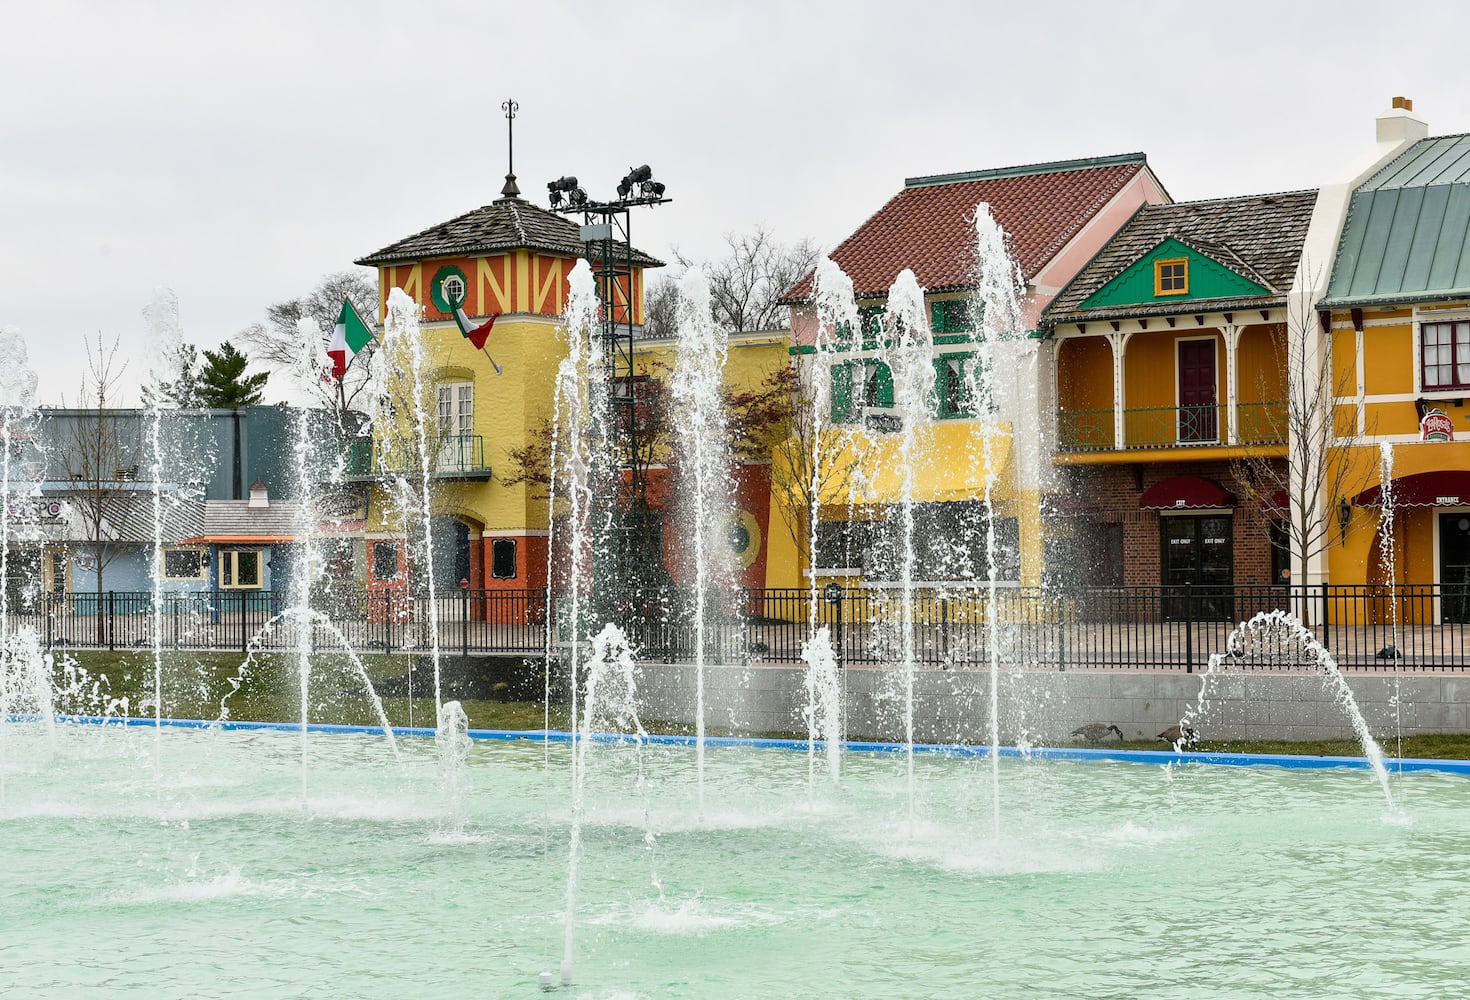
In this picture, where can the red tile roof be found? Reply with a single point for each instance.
(928, 226)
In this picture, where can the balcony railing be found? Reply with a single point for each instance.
(1171, 427)
(458, 456)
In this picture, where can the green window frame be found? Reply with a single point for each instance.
(951, 316)
(952, 386)
(860, 385)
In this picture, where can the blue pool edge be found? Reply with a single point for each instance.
(1295, 761)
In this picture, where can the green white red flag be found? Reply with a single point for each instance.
(474, 332)
(349, 336)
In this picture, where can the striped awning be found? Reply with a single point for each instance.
(1440, 488)
(1186, 492)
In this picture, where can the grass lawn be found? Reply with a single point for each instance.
(203, 685)
(200, 685)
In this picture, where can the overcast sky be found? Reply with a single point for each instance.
(237, 152)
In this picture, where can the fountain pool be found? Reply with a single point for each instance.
(193, 863)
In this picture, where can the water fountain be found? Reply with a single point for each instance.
(432, 857)
(705, 486)
(995, 307)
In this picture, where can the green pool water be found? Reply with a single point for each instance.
(193, 864)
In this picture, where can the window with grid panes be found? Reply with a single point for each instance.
(456, 412)
(1444, 353)
(1171, 277)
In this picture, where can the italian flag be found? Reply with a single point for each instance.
(349, 336)
(474, 332)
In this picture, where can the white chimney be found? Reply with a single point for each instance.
(1399, 123)
(259, 495)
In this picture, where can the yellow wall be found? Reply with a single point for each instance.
(1260, 359)
(1085, 374)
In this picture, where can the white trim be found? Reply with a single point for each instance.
(1360, 369)
(1186, 511)
(1369, 324)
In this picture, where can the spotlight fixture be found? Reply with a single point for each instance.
(638, 183)
(565, 188)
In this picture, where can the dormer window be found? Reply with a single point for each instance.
(1171, 277)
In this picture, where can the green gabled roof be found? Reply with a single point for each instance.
(1405, 239)
(1209, 278)
(1245, 248)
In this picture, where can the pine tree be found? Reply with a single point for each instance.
(182, 389)
(223, 384)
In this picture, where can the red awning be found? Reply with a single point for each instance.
(1185, 492)
(1441, 488)
(1278, 504)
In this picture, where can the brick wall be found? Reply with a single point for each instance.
(1113, 491)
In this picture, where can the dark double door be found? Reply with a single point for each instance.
(1454, 567)
(1198, 567)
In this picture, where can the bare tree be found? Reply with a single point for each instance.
(276, 343)
(1318, 474)
(99, 455)
(746, 284)
(810, 459)
(661, 308)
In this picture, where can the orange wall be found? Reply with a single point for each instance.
(521, 281)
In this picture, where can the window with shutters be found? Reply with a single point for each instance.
(951, 316)
(954, 386)
(859, 386)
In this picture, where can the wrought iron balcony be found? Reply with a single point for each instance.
(1155, 427)
(456, 456)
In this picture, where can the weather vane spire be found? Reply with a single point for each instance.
(511, 190)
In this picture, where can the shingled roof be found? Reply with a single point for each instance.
(504, 224)
(928, 226)
(1259, 237)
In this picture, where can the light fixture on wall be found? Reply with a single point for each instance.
(1344, 516)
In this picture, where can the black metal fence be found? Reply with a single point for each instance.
(1420, 626)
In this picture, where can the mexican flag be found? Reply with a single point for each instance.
(474, 332)
(349, 336)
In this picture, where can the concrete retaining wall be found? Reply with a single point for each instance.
(1046, 707)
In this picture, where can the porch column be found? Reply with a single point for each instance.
(1232, 383)
(1119, 342)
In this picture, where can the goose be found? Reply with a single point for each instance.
(1096, 732)
(1179, 736)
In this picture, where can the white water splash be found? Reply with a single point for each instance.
(707, 493)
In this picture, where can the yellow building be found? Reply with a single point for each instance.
(1056, 216)
(1171, 423)
(508, 260)
(1397, 322)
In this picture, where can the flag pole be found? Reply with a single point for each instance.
(492, 360)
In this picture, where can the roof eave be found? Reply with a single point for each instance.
(1395, 298)
(383, 257)
(1166, 309)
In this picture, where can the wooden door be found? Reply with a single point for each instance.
(1198, 417)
